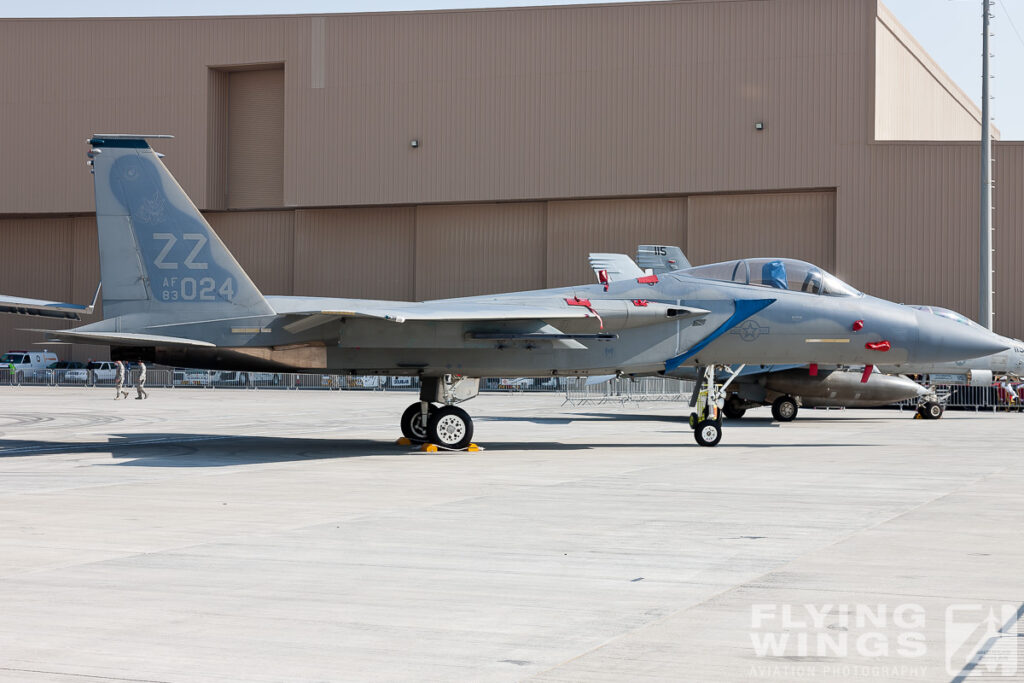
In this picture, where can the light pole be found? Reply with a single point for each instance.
(985, 281)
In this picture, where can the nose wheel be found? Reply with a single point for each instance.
(709, 400)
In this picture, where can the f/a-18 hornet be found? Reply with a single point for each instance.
(784, 387)
(174, 294)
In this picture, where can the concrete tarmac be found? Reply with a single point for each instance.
(232, 535)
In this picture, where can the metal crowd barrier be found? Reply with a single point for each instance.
(995, 397)
(578, 391)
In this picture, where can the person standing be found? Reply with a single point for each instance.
(13, 370)
(119, 390)
(140, 383)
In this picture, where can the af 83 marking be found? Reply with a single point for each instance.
(197, 289)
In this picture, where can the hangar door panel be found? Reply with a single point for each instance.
(799, 225)
(255, 152)
(361, 253)
(468, 249)
(263, 242)
(577, 228)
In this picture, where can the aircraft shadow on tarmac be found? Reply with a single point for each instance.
(225, 450)
(748, 421)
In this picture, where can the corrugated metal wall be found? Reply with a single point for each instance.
(468, 249)
(255, 153)
(510, 104)
(796, 225)
(264, 244)
(1008, 241)
(908, 229)
(356, 252)
(47, 258)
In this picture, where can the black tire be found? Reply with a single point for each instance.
(413, 429)
(931, 410)
(693, 420)
(708, 433)
(733, 410)
(451, 427)
(784, 409)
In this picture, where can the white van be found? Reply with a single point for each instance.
(26, 362)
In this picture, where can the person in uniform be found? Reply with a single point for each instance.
(140, 383)
(119, 390)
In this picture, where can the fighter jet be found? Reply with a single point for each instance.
(783, 387)
(174, 294)
(787, 387)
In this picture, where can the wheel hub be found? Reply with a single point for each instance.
(450, 429)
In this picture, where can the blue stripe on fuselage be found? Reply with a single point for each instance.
(744, 309)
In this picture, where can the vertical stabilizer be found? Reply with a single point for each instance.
(158, 255)
(661, 259)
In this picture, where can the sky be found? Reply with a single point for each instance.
(950, 30)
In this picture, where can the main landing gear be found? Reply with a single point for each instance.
(709, 400)
(445, 425)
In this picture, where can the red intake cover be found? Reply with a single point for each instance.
(883, 345)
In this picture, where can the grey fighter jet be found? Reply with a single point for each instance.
(173, 294)
(786, 387)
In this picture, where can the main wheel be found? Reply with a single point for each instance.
(784, 409)
(931, 410)
(708, 433)
(450, 427)
(412, 426)
(733, 409)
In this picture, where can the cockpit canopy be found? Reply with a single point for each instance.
(952, 315)
(778, 273)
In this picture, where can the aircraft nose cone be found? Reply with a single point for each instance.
(941, 340)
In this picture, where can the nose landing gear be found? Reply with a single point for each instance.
(709, 400)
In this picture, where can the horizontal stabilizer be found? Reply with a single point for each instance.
(616, 266)
(120, 338)
(46, 309)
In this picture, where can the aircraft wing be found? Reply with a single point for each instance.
(309, 315)
(45, 309)
(617, 266)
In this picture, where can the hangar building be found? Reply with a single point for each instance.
(816, 129)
